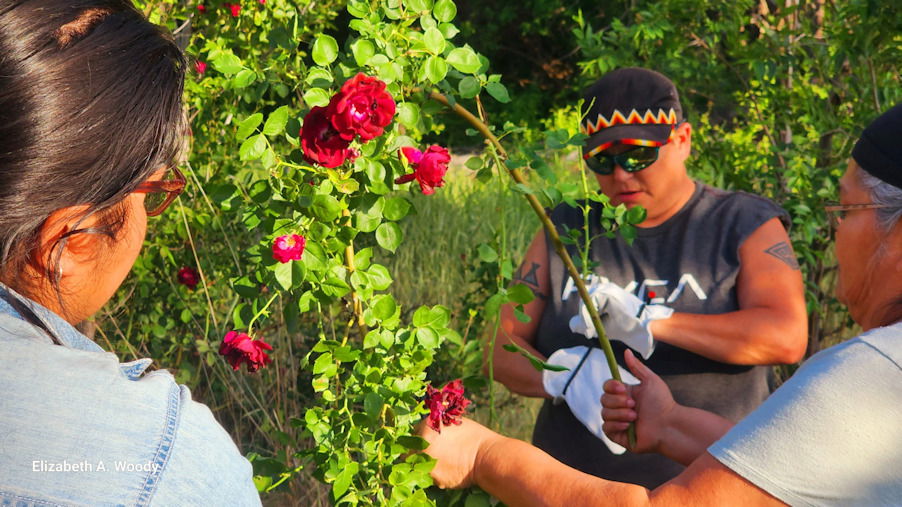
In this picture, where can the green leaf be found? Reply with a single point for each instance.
(323, 362)
(418, 5)
(413, 442)
(325, 207)
(469, 87)
(317, 97)
(487, 253)
(389, 236)
(435, 69)
(444, 11)
(408, 114)
(493, 305)
(343, 481)
(498, 91)
(428, 338)
(276, 122)
(520, 294)
(290, 274)
(245, 78)
(396, 208)
(435, 41)
(437, 317)
(314, 257)
(228, 64)
(636, 215)
(380, 278)
(253, 147)
(325, 50)
(248, 126)
(363, 50)
(372, 404)
(384, 306)
(465, 60)
(537, 363)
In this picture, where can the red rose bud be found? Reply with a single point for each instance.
(320, 141)
(189, 277)
(200, 67)
(361, 108)
(429, 167)
(201, 8)
(288, 248)
(240, 348)
(445, 406)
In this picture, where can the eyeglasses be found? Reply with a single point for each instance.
(837, 212)
(631, 161)
(161, 193)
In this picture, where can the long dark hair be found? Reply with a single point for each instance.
(90, 107)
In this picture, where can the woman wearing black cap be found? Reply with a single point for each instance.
(829, 436)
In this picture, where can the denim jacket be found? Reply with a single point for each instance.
(77, 427)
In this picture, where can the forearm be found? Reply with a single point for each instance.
(519, 474)
(750, 336)
(515, 371)
(690, 432)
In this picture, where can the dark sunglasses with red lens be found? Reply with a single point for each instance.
(161, 193)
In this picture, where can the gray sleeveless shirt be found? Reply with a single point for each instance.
(691, 262)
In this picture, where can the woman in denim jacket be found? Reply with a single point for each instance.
(91, 125)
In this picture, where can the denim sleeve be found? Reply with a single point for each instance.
(205, 467)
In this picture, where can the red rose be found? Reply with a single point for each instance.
(361, 108)
(189, 277)
(240, 348)
(445, 406)
(201, 8)
(234, 8)
(288, 248)
(429, 167)
(200, 67)
(321, 143)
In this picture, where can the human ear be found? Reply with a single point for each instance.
(59, 252)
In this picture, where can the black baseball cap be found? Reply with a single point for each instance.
(879, 150)
(629, 106)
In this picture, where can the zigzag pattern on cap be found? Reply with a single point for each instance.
(634, 117)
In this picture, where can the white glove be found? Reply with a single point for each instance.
(624, 316)
(583, 394)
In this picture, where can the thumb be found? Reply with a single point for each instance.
(639, 370)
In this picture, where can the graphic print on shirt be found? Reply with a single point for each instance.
(659, 287)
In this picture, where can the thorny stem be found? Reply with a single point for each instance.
(552, 233)
(355, 300)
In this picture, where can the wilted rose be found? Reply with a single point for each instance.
(361, 108)
(189, 277)
(429, 167)
(240, 348)
(320, 141)
(288, 248)
(200, 67)
(446, 406)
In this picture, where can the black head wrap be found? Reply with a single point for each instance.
(879, 150)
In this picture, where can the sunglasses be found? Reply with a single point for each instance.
(631, 161)
(161, 193)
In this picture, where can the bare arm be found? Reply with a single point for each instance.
(520, 474)
(662, 426)
(771, 325)
(512, 369)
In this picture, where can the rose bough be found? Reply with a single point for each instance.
(501, 155)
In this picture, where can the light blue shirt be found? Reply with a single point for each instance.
(832, 434)
(77, 427)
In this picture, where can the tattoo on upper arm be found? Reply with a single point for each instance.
(531, 278)
(783, 251)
